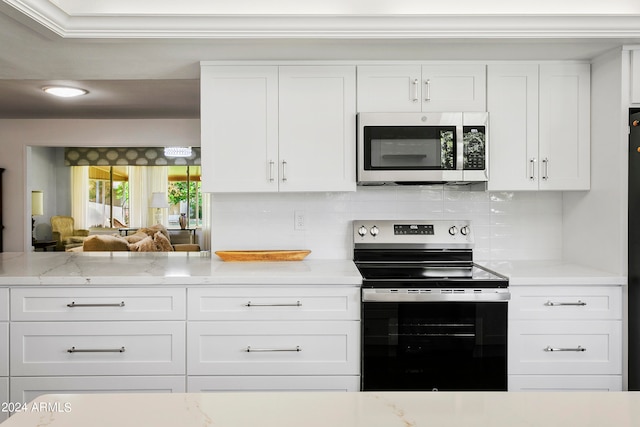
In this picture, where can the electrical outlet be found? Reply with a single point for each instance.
(298, 220)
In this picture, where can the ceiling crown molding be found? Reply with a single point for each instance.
(49, 16)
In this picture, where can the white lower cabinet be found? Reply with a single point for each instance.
(4, 398)
(25, 389)
(273, 338)
(204, 384)
(565, 338)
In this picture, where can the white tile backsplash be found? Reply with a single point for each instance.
(507, 226)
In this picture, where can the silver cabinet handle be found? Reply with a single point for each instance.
(96, 350)
(117, 304)
(266, 350)
(550, 349)
(415, 90)
(556, 304)
(284, 171)
(427, 85)
(532, 165)
(545, 163)
(271, 164)
(295, 304)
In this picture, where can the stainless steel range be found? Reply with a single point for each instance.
(432, 319)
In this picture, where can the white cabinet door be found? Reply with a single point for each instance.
(565, 382)
(4, 304)
(273, 303)
(389, 88)
(97, 348)
(4, 398)
(273, 348)
(415, 88)
(635, 76)
(25, 389)
(239, 125)
(317, 108)
(70, 304)
(273, 383)
(563, 347)
(512, 102)
(454, 87)
(565, 120)
(4, 349)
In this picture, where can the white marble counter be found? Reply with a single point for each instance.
(179, 268)
(553, 272)
(322, 409)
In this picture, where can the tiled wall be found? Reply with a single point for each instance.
(507, 226)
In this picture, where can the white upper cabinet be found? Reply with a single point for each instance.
(539, 118)
(278, 128)
(565, 126)
(317, 110)
(415, 88)
(239, 126)
(512, 102)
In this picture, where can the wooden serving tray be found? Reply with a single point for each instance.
(279, 255)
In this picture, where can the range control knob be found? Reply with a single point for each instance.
(374, 231)
(465, 230)
(453, 230)
(362, 231)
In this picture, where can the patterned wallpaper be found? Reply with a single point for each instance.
(123, 156)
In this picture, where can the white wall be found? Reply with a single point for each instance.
(17, 135)
(507, 226)
(594, 228)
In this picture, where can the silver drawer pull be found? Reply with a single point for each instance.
(117, 304)
(555, 304)
(579, 348)
(265, 350)
(292, 304)
(96, 350)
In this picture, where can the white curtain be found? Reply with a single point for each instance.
(157, 180)
(144, 180)
(79, 196)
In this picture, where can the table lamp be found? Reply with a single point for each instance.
(37, 208)
(158, 201)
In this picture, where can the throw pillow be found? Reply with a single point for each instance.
(134, 238)
(103, 242)
(151, 231)
(162, 242)
(145, 245)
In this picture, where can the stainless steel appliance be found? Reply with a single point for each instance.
(406, 148)
(432, 319)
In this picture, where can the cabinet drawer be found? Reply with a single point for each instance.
(273, 348)
(565, 382)
(580, 302)
(4, 396)
(4, 304)
(565, 347)
(273, 383)
(61, 348)
(98, 304)
(274, 303)
(4, 349)
(25, 389)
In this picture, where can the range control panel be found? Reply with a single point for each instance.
(439, 233)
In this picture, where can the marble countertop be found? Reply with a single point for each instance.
(335, 409)
(194, 268)
(179, 268)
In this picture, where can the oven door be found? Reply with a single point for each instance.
(446, 346)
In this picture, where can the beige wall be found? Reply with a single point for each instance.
(17, 135)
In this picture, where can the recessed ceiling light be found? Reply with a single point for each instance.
(177, 151)
(64, 91)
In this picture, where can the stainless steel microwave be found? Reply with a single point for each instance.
(405, 148)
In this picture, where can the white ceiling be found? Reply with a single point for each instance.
(150, 67)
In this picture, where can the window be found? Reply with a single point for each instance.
(184, 195)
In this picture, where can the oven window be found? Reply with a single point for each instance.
(446, 346)
(409, 147)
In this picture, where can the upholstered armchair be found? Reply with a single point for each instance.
(65, 233)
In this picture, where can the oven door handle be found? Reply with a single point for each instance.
(434, 295)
